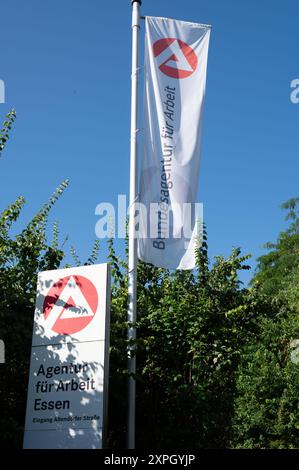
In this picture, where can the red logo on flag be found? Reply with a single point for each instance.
(175, 58)
(70, 304)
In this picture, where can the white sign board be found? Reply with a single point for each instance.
(68, 379)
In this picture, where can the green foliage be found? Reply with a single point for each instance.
(214, 365)
(92, 259)
(118, 373)
(267, 405)
(213, 358)
(7, 125)
(191, 331)
(21, 258)
(276, 269)
(267, 398)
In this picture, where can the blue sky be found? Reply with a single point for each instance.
(66, 65)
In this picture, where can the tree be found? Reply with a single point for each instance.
(7, 125)
(278, 268)
(267, 404)
(267, 396)
(21, 258)
(215, 364)
(192, 327)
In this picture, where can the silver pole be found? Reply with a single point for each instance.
(132, 239)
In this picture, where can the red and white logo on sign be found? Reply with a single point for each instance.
(70, 305)
(175, 58)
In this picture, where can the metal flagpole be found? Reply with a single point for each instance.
(132, 239)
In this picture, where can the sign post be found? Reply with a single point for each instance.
(68, 379)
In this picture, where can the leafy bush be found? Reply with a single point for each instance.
(267, 399)
(21, 258)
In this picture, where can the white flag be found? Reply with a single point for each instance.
(176, 55)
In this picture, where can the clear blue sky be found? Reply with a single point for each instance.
(66, 65)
